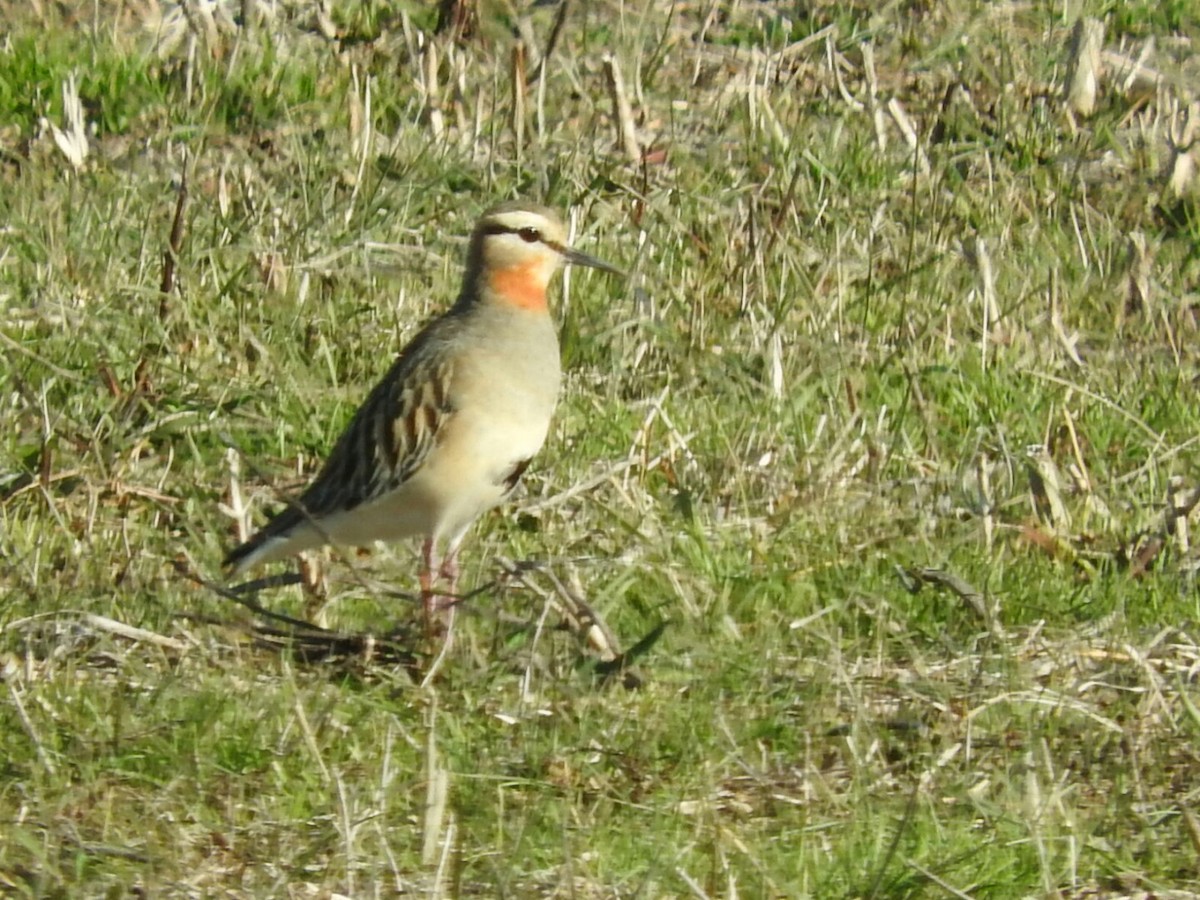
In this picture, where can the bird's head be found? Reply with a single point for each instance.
(515, 250)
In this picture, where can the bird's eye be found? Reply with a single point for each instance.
(530, 235)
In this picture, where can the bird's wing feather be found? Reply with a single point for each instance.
(390, 435)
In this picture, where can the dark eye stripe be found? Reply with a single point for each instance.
(527, 233)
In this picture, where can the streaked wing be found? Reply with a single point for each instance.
(389, 437)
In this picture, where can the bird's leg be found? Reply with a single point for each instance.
(432, 570)
(448, 600)
(449, 574)
(429, 568)
(435, 601)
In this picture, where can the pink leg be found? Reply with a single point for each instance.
(449, 569)
(439, 606)
(429, 565)
(432, 570)
(450, 576)
(438, 601)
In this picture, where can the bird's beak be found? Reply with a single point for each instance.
(578, 258)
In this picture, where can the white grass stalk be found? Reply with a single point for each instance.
(72, 140)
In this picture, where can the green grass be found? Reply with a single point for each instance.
(791, 407)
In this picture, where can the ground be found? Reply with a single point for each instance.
(881, 468)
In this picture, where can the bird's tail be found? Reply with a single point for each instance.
(282, 536)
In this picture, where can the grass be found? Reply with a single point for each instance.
(821, 379)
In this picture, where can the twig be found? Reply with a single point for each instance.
(236, 508)
(834, 59)
(538, 631)
(310, 642)
(237, 594)
(977, 252)
(348, 828)
(868, 54)
(1180, 504)
(622, 661)
(444, 651)
(963, 589)
(174, 244)
(112, 626)
(59, 371)
(586, 623)
(693, 885)
(626, 132)
(1069, 341)
(1138, 76)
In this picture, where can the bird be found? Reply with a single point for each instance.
(452, 426)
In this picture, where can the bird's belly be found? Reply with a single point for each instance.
(463, 477)
(502, 407)
(411, 510)
(469, 471)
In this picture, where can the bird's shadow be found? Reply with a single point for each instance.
(408, 644)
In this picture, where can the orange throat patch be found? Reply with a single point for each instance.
(523, 286)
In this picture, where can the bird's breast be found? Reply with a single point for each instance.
(512, 380)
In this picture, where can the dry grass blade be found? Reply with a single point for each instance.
(587, 625)
(437, 790)
(556, 30)
(518, 82)
(622, 110)
(1083, 65)
(130, 632)
(1046, 489)
(72, 140)
(30, 729)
